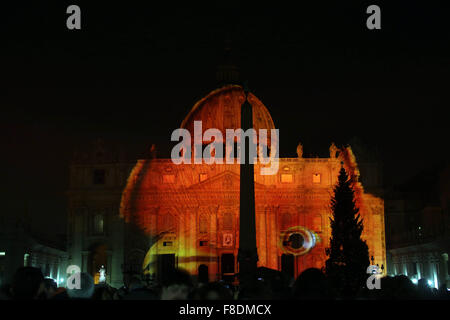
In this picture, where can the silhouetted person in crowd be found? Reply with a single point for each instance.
(213, 291)
(403, 288)
(279, 285)
(5, 292)
(312, 284)
(103, 292)
(443, 292)
(50, 288)
(86, 289)
(60, 294)
(254, 290)
(177, 285)
(424, 289)
(203, 276)
(138, 291)
(27, 284)
(135, 284)
(120, 293)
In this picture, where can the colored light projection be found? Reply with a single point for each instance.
(189, 213)
(298, 240)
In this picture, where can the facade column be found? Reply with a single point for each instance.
(77, 241)
(262, 245)
(182, 251)
(193, 238)
(118, 256)
(272, 238)
(443, 275)
(154, 246)
(109, 268)
(213, 267)
(84, 261)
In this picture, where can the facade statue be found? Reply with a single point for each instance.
(300, 150)
(333, 150)
(153, 151)
(102, 272)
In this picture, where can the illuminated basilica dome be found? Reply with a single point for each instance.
(221, 109)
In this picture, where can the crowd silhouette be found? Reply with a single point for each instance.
(312, 284)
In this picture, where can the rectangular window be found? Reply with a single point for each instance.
(286, 178)
(98, 224)
(227, 221)
(168, 178)
(203, 243)
(167, 243)
(95, 223)
(203, 225)
(99, 176)
(316, 178)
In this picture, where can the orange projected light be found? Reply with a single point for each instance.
(187, 215)
(298, 240)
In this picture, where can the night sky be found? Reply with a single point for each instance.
(134, 71)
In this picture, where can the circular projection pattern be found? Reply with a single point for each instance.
(298, 240)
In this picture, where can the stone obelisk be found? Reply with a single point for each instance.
(248, 254)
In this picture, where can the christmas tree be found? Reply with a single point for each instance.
(348, 255)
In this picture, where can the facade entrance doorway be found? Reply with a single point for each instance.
(227, 264)
(288, 264)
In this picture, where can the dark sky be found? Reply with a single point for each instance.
(134, 71)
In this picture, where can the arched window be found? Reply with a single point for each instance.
(286, 178)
